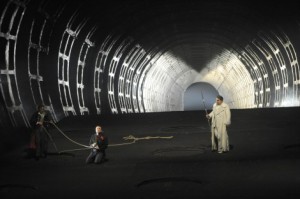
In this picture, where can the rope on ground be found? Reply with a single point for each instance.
(134, 139)
(130, 137)
(70, 150)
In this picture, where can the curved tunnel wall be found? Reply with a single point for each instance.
(127, 57)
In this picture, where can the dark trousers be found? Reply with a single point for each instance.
(95, 156)
(41, 141)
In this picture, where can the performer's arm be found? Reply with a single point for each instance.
(93, 142)
(210, 115)
(228, 115)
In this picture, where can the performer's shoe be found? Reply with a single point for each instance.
(220, 151)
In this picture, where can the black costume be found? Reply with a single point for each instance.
(98, 154)
(39, 134)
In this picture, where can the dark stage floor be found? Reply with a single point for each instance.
(264, 160)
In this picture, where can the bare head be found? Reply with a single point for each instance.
(219, 99)
(98, 129)
(41, 108)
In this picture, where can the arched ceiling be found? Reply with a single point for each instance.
(96, 57)
(200, 26)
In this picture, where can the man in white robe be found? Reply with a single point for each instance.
(221, 118)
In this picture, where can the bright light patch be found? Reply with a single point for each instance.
(231, 78)
(165, 84)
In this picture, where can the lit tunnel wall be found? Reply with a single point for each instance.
(126, 57)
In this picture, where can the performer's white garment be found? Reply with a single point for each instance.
(221, 117)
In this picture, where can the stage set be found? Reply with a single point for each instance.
(149, 74)
(163, 155)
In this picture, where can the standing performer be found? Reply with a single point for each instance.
(39, 136)
(98, 143)
(221, 118)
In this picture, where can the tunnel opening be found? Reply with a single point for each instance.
(81, 61)
(199, 96)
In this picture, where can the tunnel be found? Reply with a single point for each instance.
(85, 58)
(146, 59)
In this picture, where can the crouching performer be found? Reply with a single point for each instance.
(98, 143)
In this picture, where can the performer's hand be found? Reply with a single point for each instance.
(207, 116)
(94, 145)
